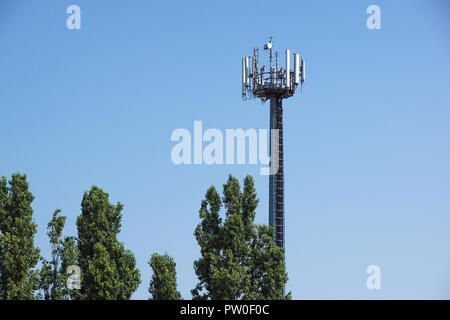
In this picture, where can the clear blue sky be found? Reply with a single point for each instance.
(367, 144)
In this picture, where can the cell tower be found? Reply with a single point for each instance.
(274, 84)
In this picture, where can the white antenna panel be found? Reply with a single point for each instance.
(288, 68)
(296, 68)
(247, 71)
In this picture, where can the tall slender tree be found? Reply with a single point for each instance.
(209, 236)
(51, 280)
(108, 271)
(53, 274)
(163, 285)
(239, 259)
(18, 255)
(69, 257)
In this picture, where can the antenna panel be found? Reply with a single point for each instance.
(247, 71)
(243, 77)
(288, 68)
(303, 70)
(296, 68)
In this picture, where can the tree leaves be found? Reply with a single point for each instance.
(163, 285)
(108, 270)
(18, 256)
(239, 259)
(53, 274)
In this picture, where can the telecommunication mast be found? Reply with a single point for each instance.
(275, 84)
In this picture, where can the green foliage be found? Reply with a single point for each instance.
(163, 285)
(266, 268)
(108, 271)
(18, 256)
(239, 259)
(50, 278)
(53, 274)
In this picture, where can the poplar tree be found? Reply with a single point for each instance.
(69, 257)
(108, 271)
(18, 255)
(239, 260)
(53, 274)
(163, 285)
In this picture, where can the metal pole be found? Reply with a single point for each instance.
(276, 181)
